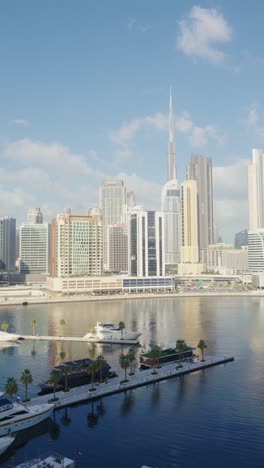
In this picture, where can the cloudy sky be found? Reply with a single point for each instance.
(85, 93)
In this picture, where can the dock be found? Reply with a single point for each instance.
(139, 379)
(76, 338)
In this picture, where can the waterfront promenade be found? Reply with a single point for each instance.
(139, 379)
(80, 339)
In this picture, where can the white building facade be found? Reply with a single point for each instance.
(256, 250)
(171, 208)
(256, 190)
(34, 248)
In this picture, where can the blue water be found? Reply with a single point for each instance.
(212, 418)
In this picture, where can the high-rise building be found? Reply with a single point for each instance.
(112, 203)
(34, 216)
(17, 243)
(256, 250)
(200, 169)
(146, 243)
(117, 244)
(256, 190)
(171, 205)
(76, 246)
(224, 259)
(8, 244)
(190, 250)
(34, 248)
(241, 239)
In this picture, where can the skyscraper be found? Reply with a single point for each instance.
(171, 146)
(171, 205)
(146, 243)
(256, 190)
(200, 169)
(190, 250)
(117, 248)
(34, 216)
(8, 244)
(34, 248)
(112, 203)
(76, 246)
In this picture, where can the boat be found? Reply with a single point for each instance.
(5, 337)
(76, 376)
(50, 459)
(167, 355)
(109, 331)
(5, 442)
(15, 416)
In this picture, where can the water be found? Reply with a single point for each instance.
(212, 418)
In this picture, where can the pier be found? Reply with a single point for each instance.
(76, 338)
(139, 379)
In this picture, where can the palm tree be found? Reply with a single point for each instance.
(92, 330)
(5, 326)
(92, 369)
(26, 379)
(11, 387)
(55, 380)
(122, 326)
(131, 358)
(92, 351)
(124, 363)
(62, 324)
(34, 326)
(101, 362)
(62, 356)
(181, 346)
(65, 371)
(202, 346)
(153, 357)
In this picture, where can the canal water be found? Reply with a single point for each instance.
(211, 418)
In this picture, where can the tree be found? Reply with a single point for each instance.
(62, 324)
(131, 358)
(4, 326)
(92, 351)
(34, 326)
(92, 330)
(26, 379)
(122, 326)
(154, 354)
(91, 370)
(55, 378)
(65, 372)
(181, 346)
(202, 346)
(11, 387)
(101, 362)
(124, 363)
(62, 356)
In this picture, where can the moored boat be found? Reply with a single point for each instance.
(109, 331)
(5, 337)
(5, 442)
(14, 416)
(50, 459)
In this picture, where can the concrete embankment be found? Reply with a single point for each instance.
(139, 379)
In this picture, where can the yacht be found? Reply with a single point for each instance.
(5, 442)
(14, 416)
(5, 337)
(52, 460)
(109, 331)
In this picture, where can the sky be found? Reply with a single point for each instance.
(84, 95)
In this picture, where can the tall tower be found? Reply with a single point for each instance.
(200, 169)
(171, 146)
(256, 190)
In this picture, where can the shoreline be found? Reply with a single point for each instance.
(122, 297)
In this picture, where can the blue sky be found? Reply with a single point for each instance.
(84, 93)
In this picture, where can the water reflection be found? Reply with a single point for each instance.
(127, 402)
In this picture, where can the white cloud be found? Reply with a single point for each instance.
(201, 31)
(21, 122)
(134, 25)
(128, 130)
(200, 136)
(183, 122)
(230, 196)
(252, 117)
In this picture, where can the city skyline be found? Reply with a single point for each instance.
(80, 110)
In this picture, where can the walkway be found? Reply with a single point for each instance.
(141, 378)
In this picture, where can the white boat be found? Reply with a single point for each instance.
(50, 459)
(109, 331)
(14, 416)
(5, 337)
(5, 442)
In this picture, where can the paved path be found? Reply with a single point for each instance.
(141, 378)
